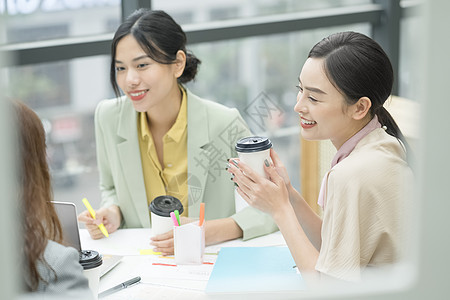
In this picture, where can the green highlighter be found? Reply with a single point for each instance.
(177, 215)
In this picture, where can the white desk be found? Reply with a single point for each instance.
(186, 284)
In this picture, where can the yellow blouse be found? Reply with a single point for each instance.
(170, 179)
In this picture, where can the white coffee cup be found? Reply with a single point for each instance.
(253, 151)
(91, 262)
(160, 209)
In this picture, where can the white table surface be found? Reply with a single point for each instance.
(181, 285)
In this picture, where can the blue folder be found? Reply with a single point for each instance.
(254, 269)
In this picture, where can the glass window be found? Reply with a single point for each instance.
(409, 73)
(36, 20)
(206, 11)
(65, 99)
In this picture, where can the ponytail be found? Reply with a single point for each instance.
(386, 120)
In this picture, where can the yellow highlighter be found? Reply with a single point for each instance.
(92, 212)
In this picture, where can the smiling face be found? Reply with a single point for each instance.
(322, 108)
(147, 83)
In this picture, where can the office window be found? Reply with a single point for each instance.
(63, 93)
(204, 11)
(409, 73)
(78, 17)
(21, 34)
(42, 85)
(64, 96)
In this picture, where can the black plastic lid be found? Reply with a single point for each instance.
(90, 259)
(164, 205)
(253, 144)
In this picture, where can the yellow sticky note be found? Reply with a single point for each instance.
(148, 252)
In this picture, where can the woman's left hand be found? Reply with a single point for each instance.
(268, 195)
(164, 242)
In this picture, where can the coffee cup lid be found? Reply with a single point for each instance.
(90, 259)
(164, 205)
(253, 144)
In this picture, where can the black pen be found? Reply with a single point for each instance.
(119, 287)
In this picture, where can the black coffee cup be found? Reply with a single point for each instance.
(160, 209)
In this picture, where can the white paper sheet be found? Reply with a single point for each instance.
(121, 242)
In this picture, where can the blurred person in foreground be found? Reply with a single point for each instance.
(50, 270)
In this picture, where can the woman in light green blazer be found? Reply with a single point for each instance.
(149, 64)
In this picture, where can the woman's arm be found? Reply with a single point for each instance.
(221, 230)
(272, 196)
(107, 188)
(305, 254)
(216, 231)
(309, 220)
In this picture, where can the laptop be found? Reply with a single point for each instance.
(67, 214)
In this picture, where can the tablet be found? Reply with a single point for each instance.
(67, 214)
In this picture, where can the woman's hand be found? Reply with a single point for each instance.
(279, 167)
(109, 216)
(268, 195)
(164, 242)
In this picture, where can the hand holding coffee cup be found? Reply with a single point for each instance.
(253, 151)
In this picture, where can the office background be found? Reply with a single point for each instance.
(245, 61)
(252, 53)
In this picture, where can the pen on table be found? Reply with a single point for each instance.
(202, 214)
(119, 287)
(92, 212)
(174, 219)
(177, 214)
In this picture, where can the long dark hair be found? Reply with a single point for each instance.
(160, 37)
(358, 67)
(39, 218)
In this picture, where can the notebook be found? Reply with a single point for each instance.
(254, 269)
(67, 214)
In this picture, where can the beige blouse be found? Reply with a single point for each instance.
(363, 220)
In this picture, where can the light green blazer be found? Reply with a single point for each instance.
(213, 130)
